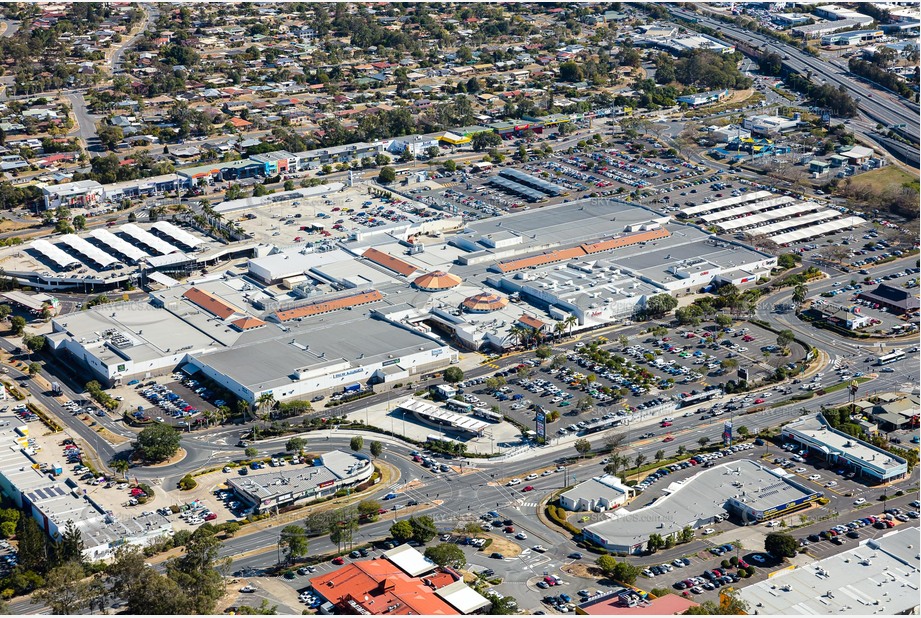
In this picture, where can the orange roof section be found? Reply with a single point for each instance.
(485, 302)
(437, 280)
(389, 262)
(247, 323)
(667, 605)
(210, 303)
(325, 306)
(626, 241)
(531, 322)
(582, 250)
(379, 587)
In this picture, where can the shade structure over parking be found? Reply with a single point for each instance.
(440, 416)
(177, 234)
(484, 302)
(51, 252)
(518, 189)
(796, 222)
(531, 181)
(815, 231)
(747, 209)
(92, 253)
(147, 239)
(729, 202)
(770, 216)
(437, 280)
(119, 245)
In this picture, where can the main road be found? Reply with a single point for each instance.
(878, 109)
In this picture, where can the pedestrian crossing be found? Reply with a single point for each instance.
(532, 505)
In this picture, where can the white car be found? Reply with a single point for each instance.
(859, 501)
(708, 531)
(831, 484)
(514, 482)
(530, 477)
(521, 536)
(800, 470)
(773, 523)
(539, 549)
(814, 477)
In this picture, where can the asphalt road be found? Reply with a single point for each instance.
(873, 105)
(151, 14)
(86, 124)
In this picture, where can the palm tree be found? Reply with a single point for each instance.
(517, 333)
(558, 329)
(570, 321)
(121, 466)
(800, 293)
(264, 404)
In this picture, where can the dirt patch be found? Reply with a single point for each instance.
(179, 456)
(110, 437)
(501, 545)
(582, 570)
(14, 226)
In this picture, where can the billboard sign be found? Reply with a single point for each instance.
(727, 432)
(541, 420)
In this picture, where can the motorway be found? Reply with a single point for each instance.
(873, 105)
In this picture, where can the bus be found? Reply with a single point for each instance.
(489, 415)
(890, 358)
(458, 406)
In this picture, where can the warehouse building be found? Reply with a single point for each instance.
(838, 449)
(288, 485)
(743, 489)
(879, 576)
(54, 502)
(769, 125)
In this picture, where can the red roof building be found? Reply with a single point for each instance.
(379, 587)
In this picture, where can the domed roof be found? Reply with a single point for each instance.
(484, 302)
(437, 280)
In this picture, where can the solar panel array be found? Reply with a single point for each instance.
(531, 181)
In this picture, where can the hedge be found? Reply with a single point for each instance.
(558, 516)
(47, 420)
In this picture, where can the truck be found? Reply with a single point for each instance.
(56, 388)
(352, 388)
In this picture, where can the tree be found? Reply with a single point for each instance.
(453, 374)
(199, 571)
(251, 452)
(660, 455)
(485, 141)
(386, 175)
(785, 338)
(293, 542)
(558, 362)
(70, 547)
(65, 590)
(780, 545)
(450, 165)
(128, 575)
(619, 571)
(368, 508)
(289, 185)
(543, 352)
(33, 545)
(158, 442)
(260, 190)
(686, 534)
(570, 72)
(424, 529)
(357, 443)
(446, 554)
(655, 543)
(35, 343)
(582, 447)
(660, 304)
(376, 448)
(79, 222)
(295, 445)
(110, 136)
(5, 311)
(584, 404)
(17, 324)
(401, 531)
(34, 368)
(723, 320)
(265, 609)
(703, 441)
(800, 292)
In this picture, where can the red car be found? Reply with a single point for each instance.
(338, 560)
(666, 424)
(210, 516)
(528, 488)
(759, 400)
(668, 438)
